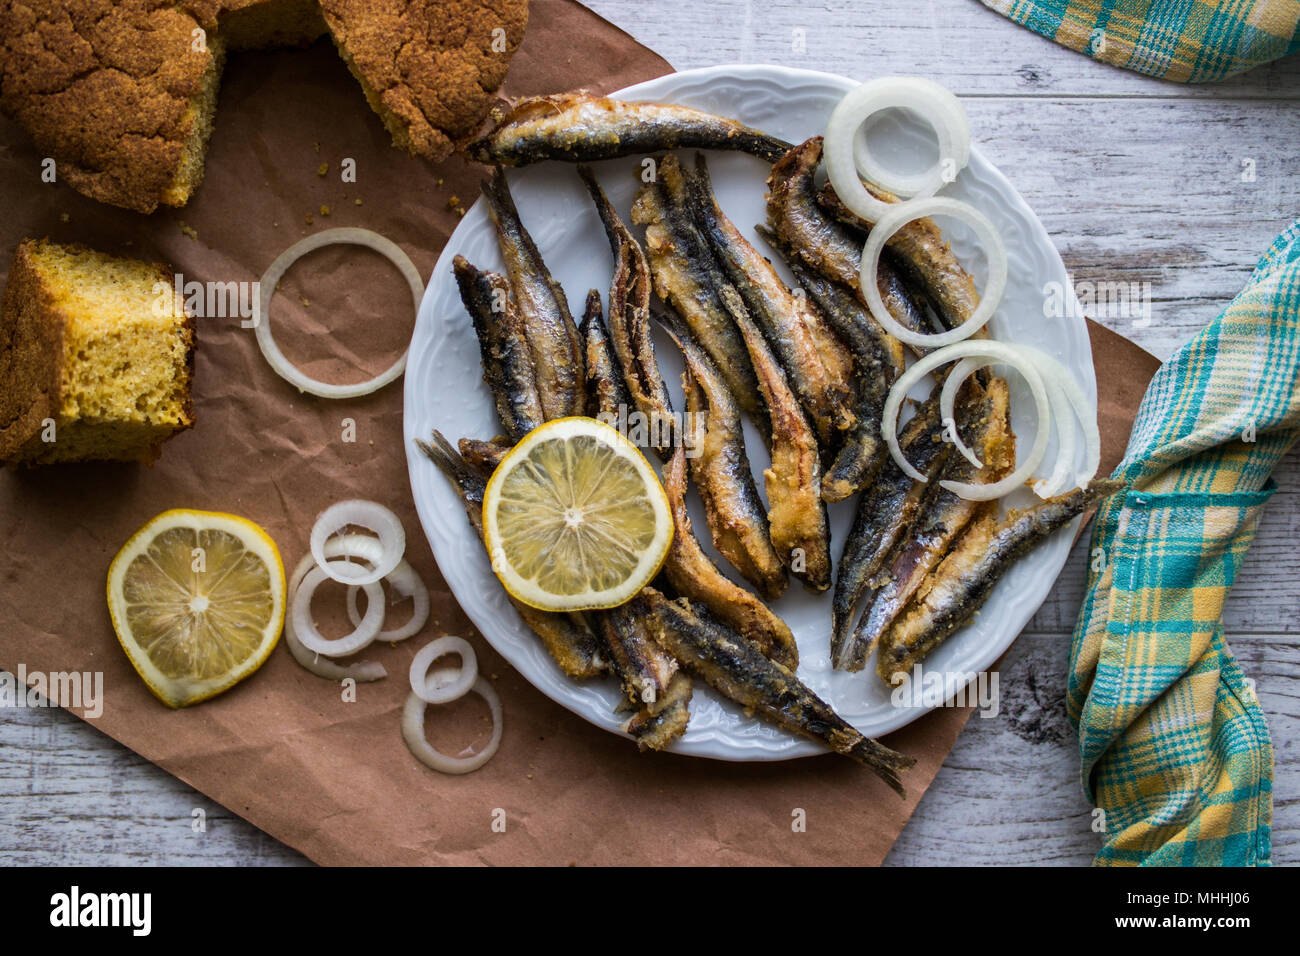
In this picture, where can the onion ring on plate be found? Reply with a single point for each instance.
(899, 215)
(1059, 375)
(443, 693)
(348, 644)
(405, 581)
(365, 514)
(413, 733)
(940, 108)
(360, 671)
(262, 320)
(1061, 418)
(1012, 355)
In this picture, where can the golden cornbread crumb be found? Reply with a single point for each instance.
(97, 354)
(322, 169)
(188, 230)
(324, 210)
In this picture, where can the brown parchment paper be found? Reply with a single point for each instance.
(283, 749)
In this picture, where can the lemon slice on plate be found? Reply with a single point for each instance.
(575, 518)
(197, 600)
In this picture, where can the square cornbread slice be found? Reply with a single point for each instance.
(96, 357)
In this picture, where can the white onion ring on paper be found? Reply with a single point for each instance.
(271, 278)
(413, 733)
(845, 161)
(982, 348)
(898, 216)
(443, 693)
(321, 666)
(406, 582)
(360, 671)
(312, 639)
(365, 514)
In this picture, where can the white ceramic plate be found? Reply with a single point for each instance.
(445, 390)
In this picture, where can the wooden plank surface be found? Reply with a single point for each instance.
(1135, 180)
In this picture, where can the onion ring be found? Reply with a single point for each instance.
(940, 108)
(321, 666)
(413, 733)
(262, 320)
(360, 671)
(895, 219)
(405, 581)
(443, 693)
(365, 514)
(1061, 418)
(1059, 375)
(312, 639)
(1008, 354)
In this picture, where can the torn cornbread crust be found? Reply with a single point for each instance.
(429, 68)
(122, 94)
(94, 368)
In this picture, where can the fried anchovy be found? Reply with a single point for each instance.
(568, 640)
(959, 586)
(643, 666)
(722, 472)
(737, 669)
(484, 456)
(885, 513)
(544, 310)
(655, 729)
(826, 245)
(503, 345)
(657, 690)
(629, 321)
(925, 259)
(694, 575)
(687, 277)
(817, 364)
(877, 362)
(578, 127)
(607, 394)
(796, 513)
(982, 419)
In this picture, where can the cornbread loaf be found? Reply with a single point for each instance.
(428, 67)
(96, 354)
(121, 93)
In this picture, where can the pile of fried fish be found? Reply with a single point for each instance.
(809, 366)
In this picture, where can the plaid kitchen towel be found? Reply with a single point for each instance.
(1189, 41)
(1173, 743)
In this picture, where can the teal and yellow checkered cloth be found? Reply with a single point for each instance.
(1173, 742)
(1189, 41)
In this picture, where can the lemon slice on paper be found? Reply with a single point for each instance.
(197, 600)
(575, 518)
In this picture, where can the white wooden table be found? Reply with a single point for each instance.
(1136, 180)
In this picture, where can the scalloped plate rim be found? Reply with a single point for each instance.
(469, 594)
